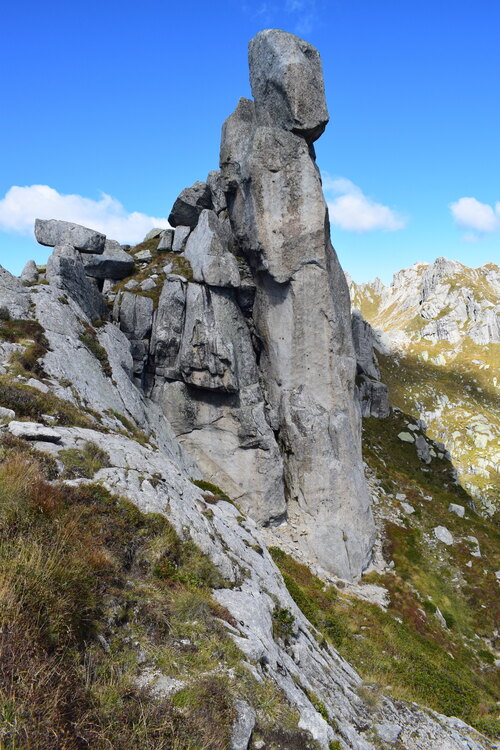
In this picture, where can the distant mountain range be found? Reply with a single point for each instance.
(437, 332)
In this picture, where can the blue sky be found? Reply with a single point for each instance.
(113, 108)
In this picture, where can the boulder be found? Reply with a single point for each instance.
(241, 733)
(65, 270)
(34, 431)
(287, 83)
(113, 263)
(166, 239)
(29, 273)
(180, 236)
(53, 232)
(423, 449)
(143, 256)
(459, 510)
(156, 232)
(406, 437)
(6, 415)
(442, 533)
(207, 250)
(190, 204)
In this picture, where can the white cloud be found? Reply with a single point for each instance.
(471, 214)
(354, 211)
(22, 205)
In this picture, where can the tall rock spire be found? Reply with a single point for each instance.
(301, 313)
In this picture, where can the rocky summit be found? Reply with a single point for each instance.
(197, 555)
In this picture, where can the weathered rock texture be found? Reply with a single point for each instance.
(301, 313)
(54, 232)
(252, 358)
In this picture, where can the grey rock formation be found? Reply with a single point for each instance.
(34, 431)
(243, 726)
(207, 250)
(53, 232)
(6, 415)
(372, 393)
(14, 297)
(190, 204)
(113, 263)
(29, 272)
(423, 449)
(180, 236)
(201, 340)
(66, 271)
(301, 313)
(445, 536)
(166, 239)
(287, 83)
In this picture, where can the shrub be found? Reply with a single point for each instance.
(83, 462)
(90, 340)
(31, 403)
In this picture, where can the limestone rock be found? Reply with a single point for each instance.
(180, 237)
(301, 312)
(423, 449)
(373, 397)
(53, 232)
(406, 437)
(29, 272)
(34, 431)
(243, 727)
(14, 297)
(207, 250)
(459, 510)
(6, 415)
(113, 263)
(66, 271)
(287, 83)
(442, 533)
(388, 732)
(166, 239)
(155, 232)
(189, 205)
(135, 315)
(216, 185)
(200, 339)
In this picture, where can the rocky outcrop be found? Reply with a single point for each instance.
(251, 355)
(53, 232)
(373, 394)
(301, 313)
(112, 263)
(256, 382)
(66, 271)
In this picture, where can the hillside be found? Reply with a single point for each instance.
(438, 328)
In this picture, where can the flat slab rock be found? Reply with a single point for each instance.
(34, 431)
(52, 232)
